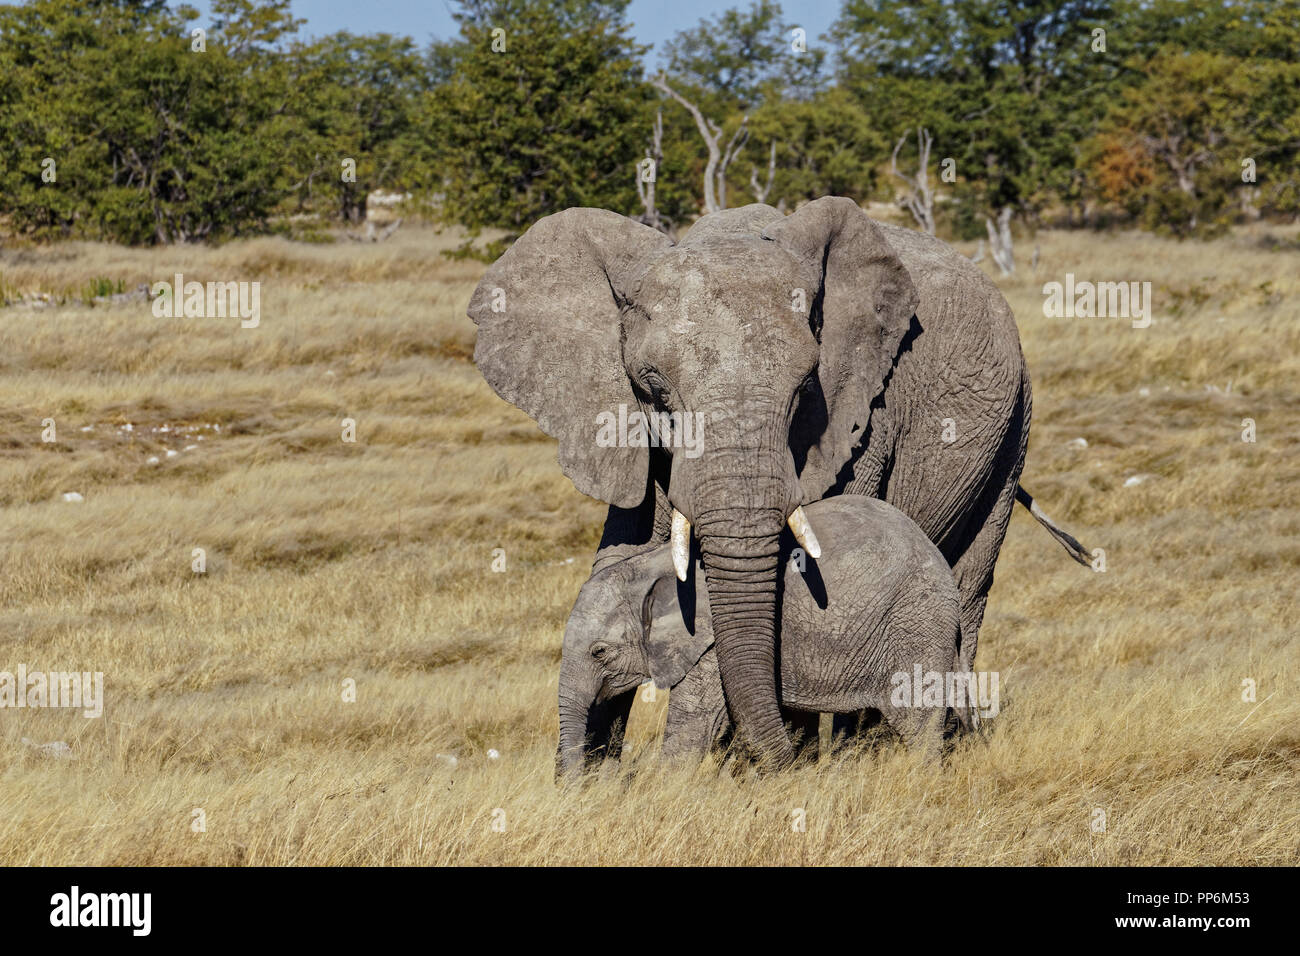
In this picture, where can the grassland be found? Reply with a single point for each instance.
(371, 562)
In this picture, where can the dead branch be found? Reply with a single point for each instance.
(1000, 241)
(715, 187)
(919, 198)
(761, 192)
(645, 190)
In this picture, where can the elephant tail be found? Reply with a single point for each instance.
(1068, 541)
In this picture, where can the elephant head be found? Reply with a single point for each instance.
(629, 625)
(753, 348)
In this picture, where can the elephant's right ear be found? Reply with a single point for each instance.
(550, 339)
(866, 302)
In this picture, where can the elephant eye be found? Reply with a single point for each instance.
(599, 650)
(807, 387)
(657, 389)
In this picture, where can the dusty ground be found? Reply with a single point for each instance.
(329, 562)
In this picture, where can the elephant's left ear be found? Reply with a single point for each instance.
(675, 639)
(867, 300)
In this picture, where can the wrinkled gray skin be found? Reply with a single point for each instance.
(826, 352)
(879, 601)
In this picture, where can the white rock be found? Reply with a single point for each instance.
(1144, 391)
(72, 496)
(88, 428)
(152, 460)
(192, 447)
(172, 453)
(1078, 443)
(57, 749)
(1132, 480)
(128, 427)
(493, 755)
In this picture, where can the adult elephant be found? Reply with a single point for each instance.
(822, 352)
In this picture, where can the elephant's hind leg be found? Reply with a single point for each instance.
(973, 572)
(921, 729)
(973, 568)
(847, 728)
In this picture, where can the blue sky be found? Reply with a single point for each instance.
(653, 21)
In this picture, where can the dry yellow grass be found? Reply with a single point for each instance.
(1122, 691)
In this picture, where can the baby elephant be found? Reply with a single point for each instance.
(878, 607)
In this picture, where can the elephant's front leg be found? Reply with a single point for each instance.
(804, 729)
(697, 712)
(847, 728)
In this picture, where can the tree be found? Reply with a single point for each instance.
(723, 69)
(1210, 107)
(825, 146)
(646, 177)
(364, 103)
(1008, 88)
(733, 57)
(115, 126)
(545, 113)
(919, 198)
(1191, 125)
(720, 158)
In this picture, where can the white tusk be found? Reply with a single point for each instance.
(681, 544)
(803, 533)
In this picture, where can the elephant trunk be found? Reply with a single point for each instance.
(739, 551)
(590, 729)
(571, 754)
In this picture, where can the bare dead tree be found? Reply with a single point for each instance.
(919, 198)
(1000, 241)
(1248, 201)
(761, 192)
(715, 169)
(738, 140)
(710, 133)
(371, 235)
(979, 253)
(645, 188)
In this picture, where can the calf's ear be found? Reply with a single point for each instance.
(675, 636)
